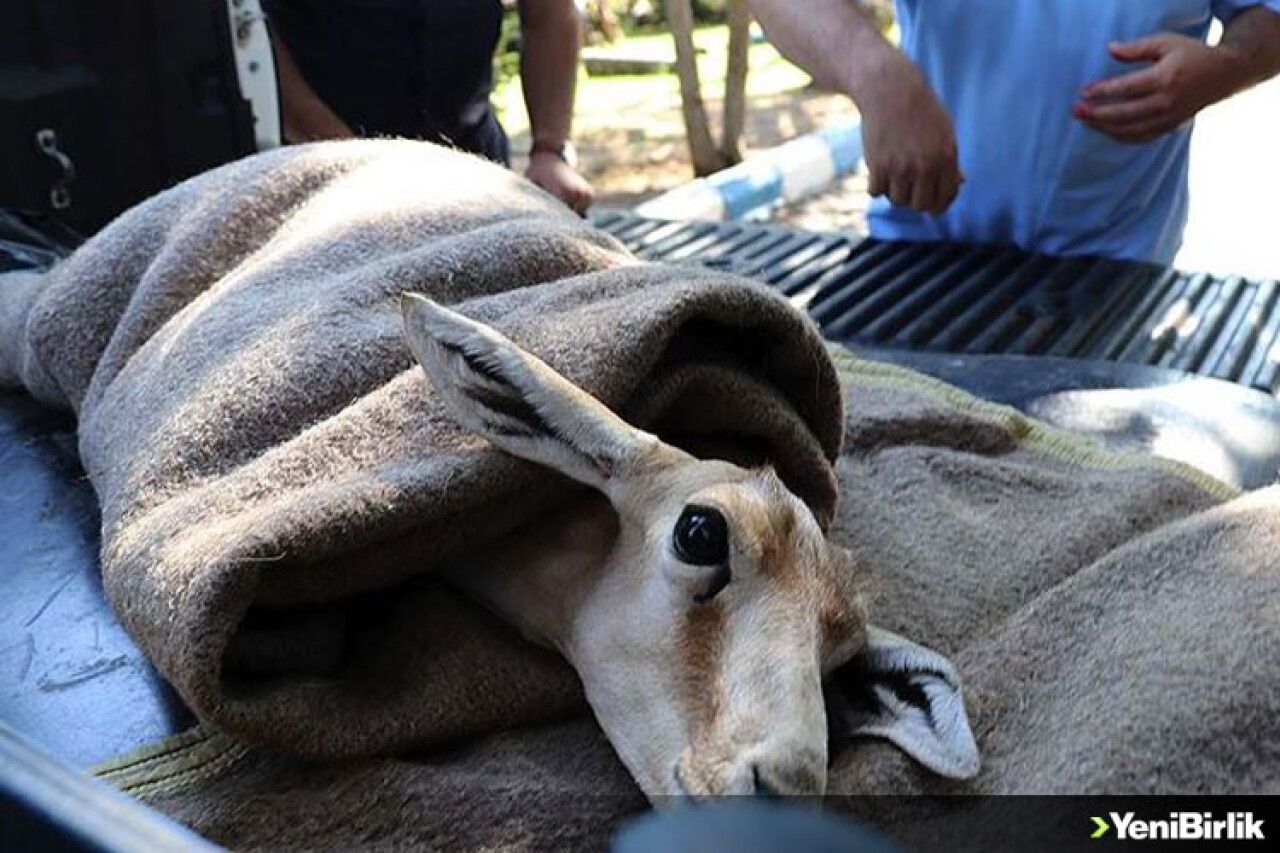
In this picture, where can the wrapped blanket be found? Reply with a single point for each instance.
(1115, 618)
(278, 479)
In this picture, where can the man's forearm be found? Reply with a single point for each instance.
(833, 40)
(303, 115)
(550, 32)
(908, 139)
(1252, 40)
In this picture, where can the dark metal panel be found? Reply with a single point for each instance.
(715, 249)
(957, 318)
(1231, 358)
(802, 280)
(841, 288)
(1218, 325)
(1264, 348)
(887, 287)
(1119, 315)
(662, 241)
(926, 299)
(631, 231)
(956, 298)
(1267, 356)
(783, 256)
(1182, 320)
(1138, 323)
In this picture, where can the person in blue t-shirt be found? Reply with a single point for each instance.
(1060, 126)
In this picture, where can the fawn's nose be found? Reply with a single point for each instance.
(795, 772)
(798, 773)
(785, 781)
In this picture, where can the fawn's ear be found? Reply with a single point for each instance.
(514, 399)
(909, 695)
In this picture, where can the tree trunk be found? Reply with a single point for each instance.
(735, 83)
(702, 148)
(605, 21)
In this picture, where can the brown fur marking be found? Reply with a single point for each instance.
(701, 646)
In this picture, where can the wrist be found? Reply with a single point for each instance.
(1232, 69)
(562, 150)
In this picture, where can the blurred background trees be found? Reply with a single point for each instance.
(707, 154)
(609, 22)
(672, 89)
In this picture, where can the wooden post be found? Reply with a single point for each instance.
(702, 148)
(735, 82)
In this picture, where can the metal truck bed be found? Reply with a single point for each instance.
(1134, 354)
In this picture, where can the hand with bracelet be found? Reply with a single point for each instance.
(552, 166)
(551, 31)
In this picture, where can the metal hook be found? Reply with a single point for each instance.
(60, 192)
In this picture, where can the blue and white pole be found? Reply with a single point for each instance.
(791, 171)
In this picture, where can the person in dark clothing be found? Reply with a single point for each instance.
(424, 69)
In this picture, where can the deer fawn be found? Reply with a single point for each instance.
(699, 602)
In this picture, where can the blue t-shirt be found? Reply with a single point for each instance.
(1009, 72)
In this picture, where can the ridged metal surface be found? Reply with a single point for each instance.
(953, 298)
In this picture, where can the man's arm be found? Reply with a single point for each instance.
(305, 117)
(1184, 77)
(550, 32)
(909, 140)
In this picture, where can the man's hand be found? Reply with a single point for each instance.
(551, 30)
(909, 140)
(1184, 77)
(560, 179)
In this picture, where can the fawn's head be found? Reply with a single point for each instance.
(703, 638)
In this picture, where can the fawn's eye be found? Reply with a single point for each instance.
(702, 536)
(702, 539)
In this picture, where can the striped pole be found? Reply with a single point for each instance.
(796, 169)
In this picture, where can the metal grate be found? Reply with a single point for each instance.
(945, 297)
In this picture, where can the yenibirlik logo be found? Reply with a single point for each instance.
(1182, 826)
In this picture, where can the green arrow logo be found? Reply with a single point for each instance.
(1103, 826)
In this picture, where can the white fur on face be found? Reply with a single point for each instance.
(724, 696)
